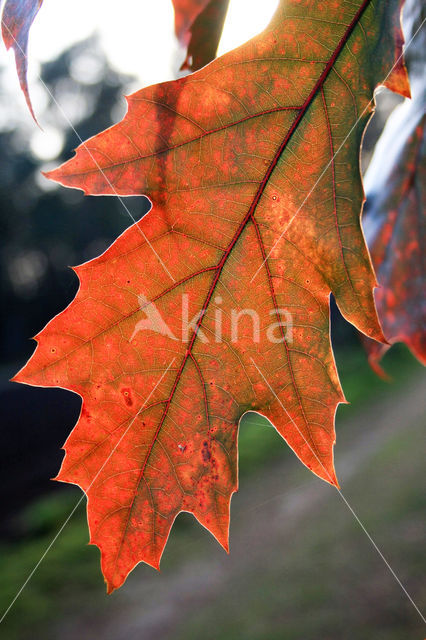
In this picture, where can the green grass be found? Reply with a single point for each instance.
(69, 571)
(69, 577)
(330, 582)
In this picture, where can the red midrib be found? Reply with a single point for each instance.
(246, 219)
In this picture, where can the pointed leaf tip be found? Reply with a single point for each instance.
(17, 18)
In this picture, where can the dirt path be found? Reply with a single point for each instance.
(269, 514)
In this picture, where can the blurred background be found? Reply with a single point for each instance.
(300, 564)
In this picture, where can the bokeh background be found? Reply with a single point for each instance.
(300, 564)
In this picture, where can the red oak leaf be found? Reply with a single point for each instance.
(255, 221)
(17, 18)
(396, 202)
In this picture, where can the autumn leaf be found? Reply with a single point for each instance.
(17, 18)
(217, 302)
(396, 202)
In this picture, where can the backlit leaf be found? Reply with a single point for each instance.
(254, 218)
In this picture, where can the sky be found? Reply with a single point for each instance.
(133, 34)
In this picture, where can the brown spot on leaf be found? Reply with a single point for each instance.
(127, 396)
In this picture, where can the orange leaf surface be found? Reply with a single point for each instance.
(254, 220)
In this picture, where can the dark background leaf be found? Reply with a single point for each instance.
(206, 31)
(394, 220)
